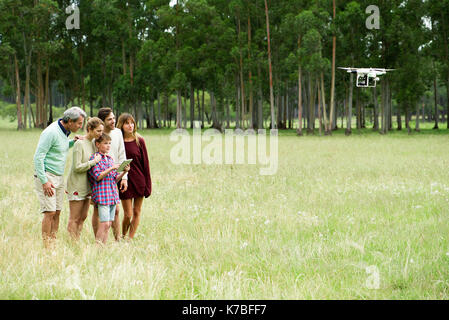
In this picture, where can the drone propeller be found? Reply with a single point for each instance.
(386, 70)
(366, 69)
(353, 70)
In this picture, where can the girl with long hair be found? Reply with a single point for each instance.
(139, 178)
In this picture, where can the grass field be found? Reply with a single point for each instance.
(359, 217)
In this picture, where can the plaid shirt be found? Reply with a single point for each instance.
(104, 192)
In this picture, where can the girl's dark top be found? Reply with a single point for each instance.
(139, 178)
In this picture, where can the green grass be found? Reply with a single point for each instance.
(336, 206)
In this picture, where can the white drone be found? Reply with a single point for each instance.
(367, 77)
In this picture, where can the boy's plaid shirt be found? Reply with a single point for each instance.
(104, 192)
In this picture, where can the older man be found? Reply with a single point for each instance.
(49, 164)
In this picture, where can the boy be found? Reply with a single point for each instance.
(103, 178)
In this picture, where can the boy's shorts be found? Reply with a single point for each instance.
(54, 203)
(106, 213)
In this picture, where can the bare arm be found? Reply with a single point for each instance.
(106, 172)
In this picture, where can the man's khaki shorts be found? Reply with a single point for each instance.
(54, 203)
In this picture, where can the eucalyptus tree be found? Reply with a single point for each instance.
(437, 14)
(10, 52)
(312, 62)
(351, 23)
(303, 23)
(149, 58)
(18, 22)
(105, 40)
(410, 80)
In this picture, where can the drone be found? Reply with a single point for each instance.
(367, 77)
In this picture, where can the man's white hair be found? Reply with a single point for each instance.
(73, 114)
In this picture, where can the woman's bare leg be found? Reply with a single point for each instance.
(83, 217)
(127, 215)
(78, 213)
(137, 207)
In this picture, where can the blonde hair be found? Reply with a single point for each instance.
(93, 123)
(122, 120)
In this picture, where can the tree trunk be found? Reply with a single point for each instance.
(214, 118)
(38, 91)
(358, 110)
(47, 91)
(237, 104)
(192, 105)
(228, 116)
(27, 106)
(260, 102)
(250, 76)
(27, 98)
(435, 90)
(299, 131)
(178, 110)
(363, 117)
(376, 110)
(202, 109)
(327, 128)
(278, 111)
(91, 99)
(123, 57)
(83, 99)
(184, 112)
(18, 95)
(166, 110)
(417, 117)
(390, 106)
(287, 110)
(140, 113)
(332, 103)
(242, 86)
(103, 67)
(149, 105)
(273, 119)
(199, 106)
(311, 109)
(447, 106)
(349, 106)
(50, 105)
(320, 123)
(384, 108)
(159, 114)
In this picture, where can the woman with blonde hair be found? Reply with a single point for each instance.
(78, 185)
(139, 178)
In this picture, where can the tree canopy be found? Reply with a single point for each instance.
(211, 61)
